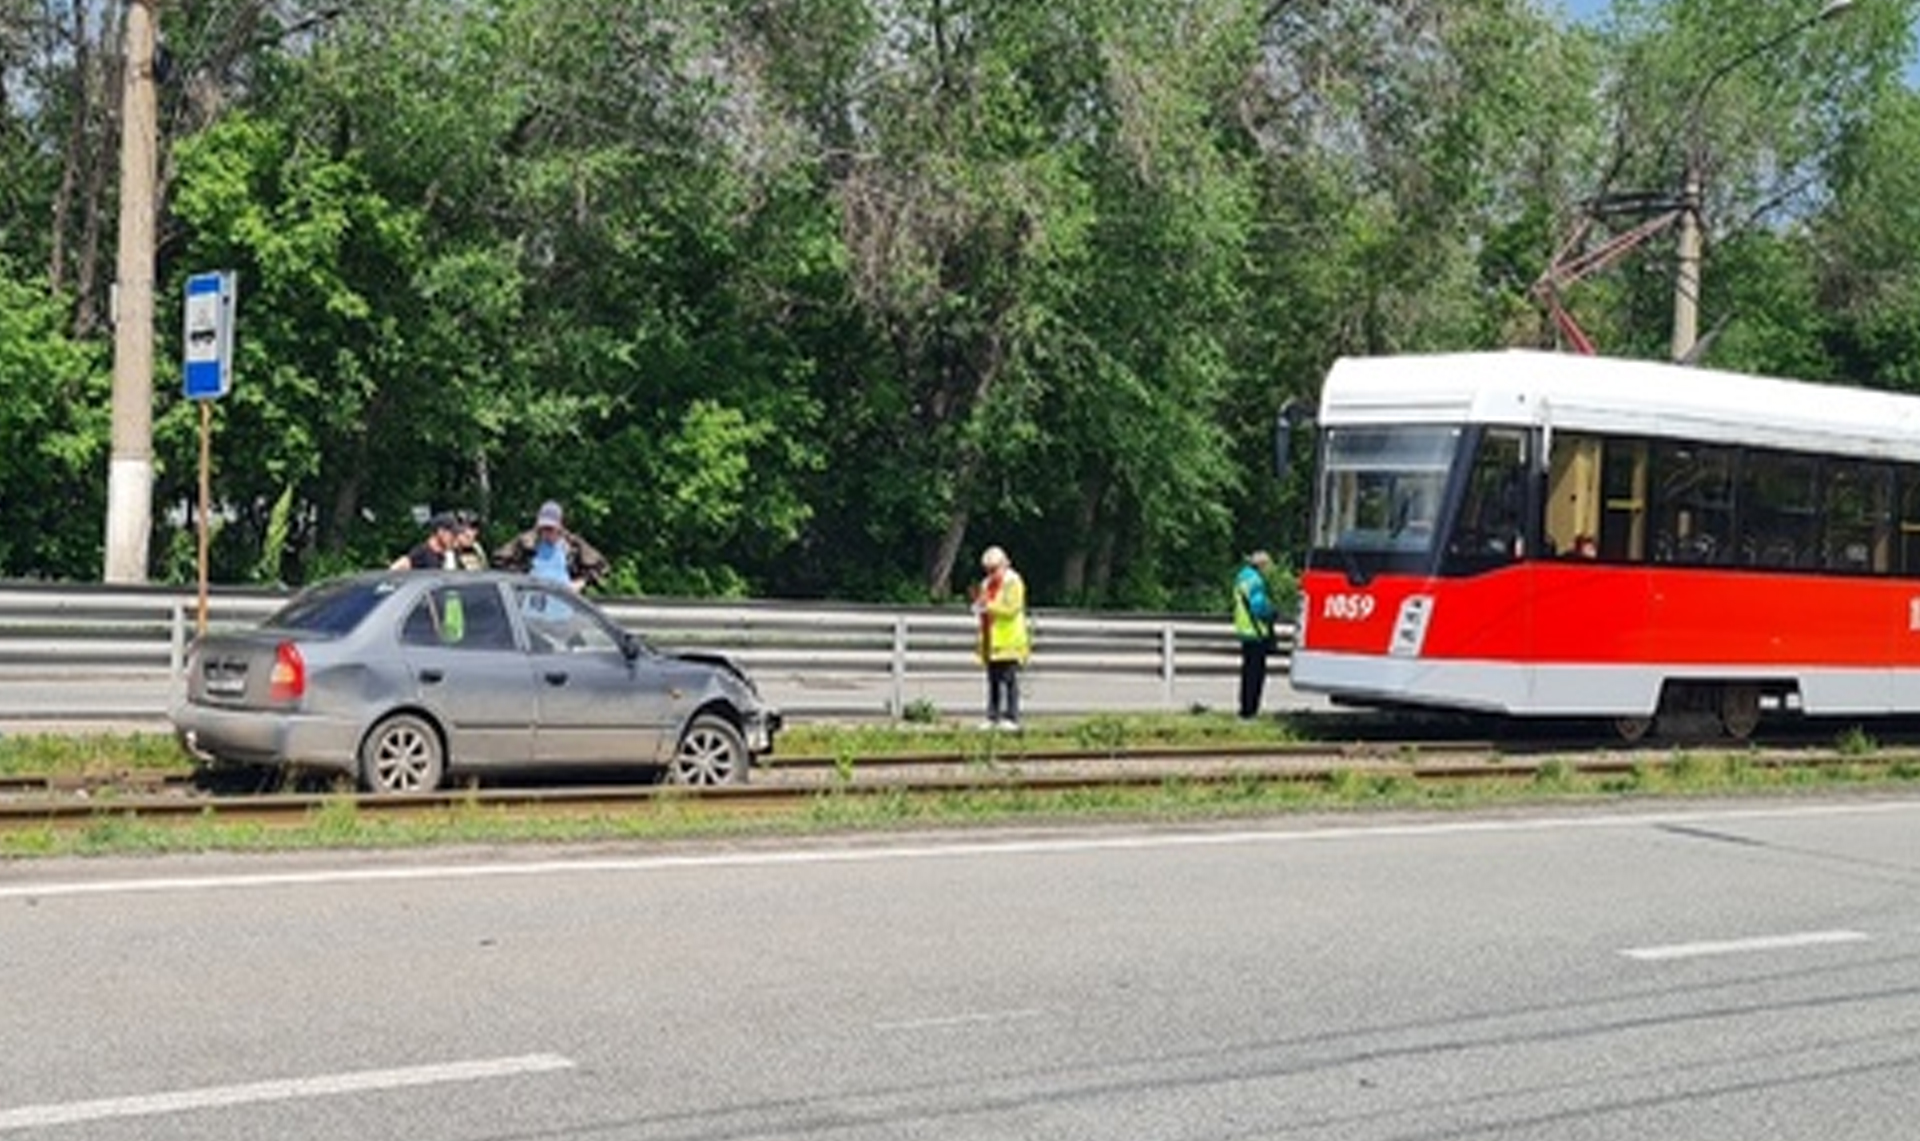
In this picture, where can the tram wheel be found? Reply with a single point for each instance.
(1740, 710)
(1632, 730)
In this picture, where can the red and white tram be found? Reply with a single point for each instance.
(1546, 535)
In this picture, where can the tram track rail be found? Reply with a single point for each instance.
(181, 782)
(159, 798)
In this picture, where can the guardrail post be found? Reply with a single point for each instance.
(897, 671)
(176, 648)
(1166, 666)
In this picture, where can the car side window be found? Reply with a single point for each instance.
(459, 617)
(561, 625)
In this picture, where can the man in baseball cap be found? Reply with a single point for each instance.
(435, 552)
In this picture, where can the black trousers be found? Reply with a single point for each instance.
(1003, 691)
(1253, 674)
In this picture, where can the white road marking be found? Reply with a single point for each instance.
(1744, 946)
(1138, 842)
(289, 1089)
(943, 1022)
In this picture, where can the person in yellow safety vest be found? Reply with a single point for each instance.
(1253, 615)
(1000, 603)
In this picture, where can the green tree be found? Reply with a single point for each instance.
(1864, 252)
(1413, 161)
(1754, 97)
(53, 436)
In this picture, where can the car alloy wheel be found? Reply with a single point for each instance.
(711, 751)
(402, 754)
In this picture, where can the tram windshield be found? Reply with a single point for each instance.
(1382, 488)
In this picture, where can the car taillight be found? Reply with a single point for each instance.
(288, 682)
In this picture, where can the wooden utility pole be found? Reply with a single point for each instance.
(130, 474)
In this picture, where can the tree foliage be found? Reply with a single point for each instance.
(815, 297)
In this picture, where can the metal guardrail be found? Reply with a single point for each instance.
(49, 632)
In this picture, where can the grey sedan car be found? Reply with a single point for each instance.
(403, 679)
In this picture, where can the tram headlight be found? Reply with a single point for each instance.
(1410, 626)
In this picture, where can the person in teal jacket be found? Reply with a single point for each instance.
(1253, 615)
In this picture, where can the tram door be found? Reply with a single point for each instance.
(1572, 516)
(1489, 553)
(1591, 591)
(1620, 605)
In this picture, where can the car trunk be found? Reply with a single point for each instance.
(235, 670)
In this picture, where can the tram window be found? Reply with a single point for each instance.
(1492, 517)
(1623, 489)
(1692, 508)
(1909, 520)
(1573, 496)
(1858, 522)
(1381, 488)
(1779, 510)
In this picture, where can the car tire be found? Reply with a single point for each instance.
(710, 752)
(402, 754)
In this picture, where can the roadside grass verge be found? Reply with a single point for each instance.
(341, 824)
(90, 754)
(1092, 734)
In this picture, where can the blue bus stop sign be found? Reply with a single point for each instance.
(209, 335)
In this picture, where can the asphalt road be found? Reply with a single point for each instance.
(1700, 972)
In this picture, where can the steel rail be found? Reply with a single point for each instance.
(182, 782)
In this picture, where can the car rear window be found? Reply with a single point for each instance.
(333, 608)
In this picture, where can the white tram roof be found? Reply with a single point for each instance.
(1624, 397)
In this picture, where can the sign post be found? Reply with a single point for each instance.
(207, 376)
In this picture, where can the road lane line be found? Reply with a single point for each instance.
(289, 1089)
(976, 1018)
(1744, 946)
(792, 857)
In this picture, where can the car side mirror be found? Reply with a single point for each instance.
(630, 646)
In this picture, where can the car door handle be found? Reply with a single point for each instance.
(556, 677)
(431, 677)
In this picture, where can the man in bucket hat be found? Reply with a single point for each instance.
(549, 550)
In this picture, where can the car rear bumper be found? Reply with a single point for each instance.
(268, 737)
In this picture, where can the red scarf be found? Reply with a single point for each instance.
(989, 591)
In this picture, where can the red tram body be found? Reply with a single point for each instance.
(1546, 535)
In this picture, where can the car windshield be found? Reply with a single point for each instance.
(1381, 489)
(331, 609)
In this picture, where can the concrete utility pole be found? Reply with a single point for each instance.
(130, 475)
(1686, 279)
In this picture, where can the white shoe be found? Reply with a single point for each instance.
(1007, 725)
(989, 723)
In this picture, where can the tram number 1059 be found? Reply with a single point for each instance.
(1348, 607)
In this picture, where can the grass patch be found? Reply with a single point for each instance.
(1855, 742)
(1094, 733)
(1554, 776)
(89, 754)
(341, 825)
